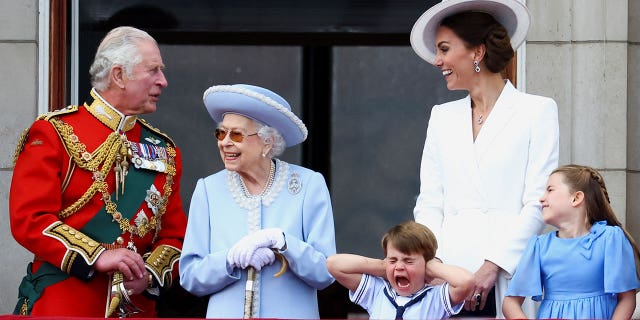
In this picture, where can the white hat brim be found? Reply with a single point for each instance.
(512, 14)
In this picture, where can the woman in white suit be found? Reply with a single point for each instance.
(487, 156)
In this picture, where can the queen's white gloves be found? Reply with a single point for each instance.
(241, 253)
(262, 257)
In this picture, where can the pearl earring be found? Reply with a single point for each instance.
(477, 67)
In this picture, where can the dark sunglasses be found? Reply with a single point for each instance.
(235, 136)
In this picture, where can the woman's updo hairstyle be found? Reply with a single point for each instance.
(476, 28)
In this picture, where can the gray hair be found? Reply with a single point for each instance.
(271, 136)
(119, 47)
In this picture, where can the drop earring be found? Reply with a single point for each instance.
(477, 67)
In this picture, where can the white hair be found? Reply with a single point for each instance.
(271, 136)
(119, 47)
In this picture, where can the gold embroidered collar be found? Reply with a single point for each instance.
(109, 115)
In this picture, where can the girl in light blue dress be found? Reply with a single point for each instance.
(588, 268)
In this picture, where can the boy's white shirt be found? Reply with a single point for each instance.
(370, 295)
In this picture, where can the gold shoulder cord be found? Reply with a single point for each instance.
(20, 145)
(100, 162)
(104, 154)
(44, 116)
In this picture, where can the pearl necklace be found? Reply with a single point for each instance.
(272, 171)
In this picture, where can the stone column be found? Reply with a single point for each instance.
(18, 108)
(577, 53)
(633, 120)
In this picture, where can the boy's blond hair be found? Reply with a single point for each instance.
(411, 237)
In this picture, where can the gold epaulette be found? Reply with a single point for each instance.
(55, 113)
(45, 116)
(157, 131)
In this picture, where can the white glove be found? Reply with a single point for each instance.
(241, 252)
(262, 257)
(230, 262)
(270, 238)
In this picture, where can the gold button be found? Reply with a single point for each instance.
(119, 240)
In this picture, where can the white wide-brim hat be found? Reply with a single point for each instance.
(257, 103)
(511, 14)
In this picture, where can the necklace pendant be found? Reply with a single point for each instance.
(480, 120)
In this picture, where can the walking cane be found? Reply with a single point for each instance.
(118, 298)
(249, 289)
(248, 292)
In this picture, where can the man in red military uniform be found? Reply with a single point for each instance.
(95, 193)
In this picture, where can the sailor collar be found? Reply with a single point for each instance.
(107, 114)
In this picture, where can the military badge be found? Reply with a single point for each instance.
(141, 219)
(149, 157)
(153, 140)
(153, 199)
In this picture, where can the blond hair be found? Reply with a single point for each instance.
(411, 237)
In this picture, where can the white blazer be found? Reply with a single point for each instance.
(481, 199)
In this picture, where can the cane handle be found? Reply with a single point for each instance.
(284, 264)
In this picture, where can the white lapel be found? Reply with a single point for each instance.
(463, 133)
(459, 129)
(499, 117)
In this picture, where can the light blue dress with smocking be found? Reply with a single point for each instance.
(576, 278)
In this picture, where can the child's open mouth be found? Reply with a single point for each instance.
(402, 282)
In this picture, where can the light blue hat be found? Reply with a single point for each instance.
(259, 104)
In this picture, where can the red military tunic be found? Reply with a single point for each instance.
(64, 170)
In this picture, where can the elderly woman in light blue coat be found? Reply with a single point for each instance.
(255, 209)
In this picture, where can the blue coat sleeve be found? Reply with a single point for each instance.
(527, 279)
(203, 272)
